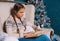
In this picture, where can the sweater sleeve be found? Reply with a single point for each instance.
(9, 28)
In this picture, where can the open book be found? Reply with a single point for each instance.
(36, 34)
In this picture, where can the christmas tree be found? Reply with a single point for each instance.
(41, 17)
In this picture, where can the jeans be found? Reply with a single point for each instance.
(39, 38)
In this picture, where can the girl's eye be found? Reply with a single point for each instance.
(21, 12)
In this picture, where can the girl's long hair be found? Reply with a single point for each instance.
(14, 11)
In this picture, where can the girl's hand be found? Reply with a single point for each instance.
(37, 29)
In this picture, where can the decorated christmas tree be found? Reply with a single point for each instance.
(41, 17)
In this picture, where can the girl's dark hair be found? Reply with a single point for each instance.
(14, 11)
(16, 8)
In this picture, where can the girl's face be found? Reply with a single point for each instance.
(20, 13)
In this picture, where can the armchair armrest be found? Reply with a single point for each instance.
(49, 32)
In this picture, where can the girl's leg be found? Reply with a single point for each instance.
(26, 39)
(42, 38)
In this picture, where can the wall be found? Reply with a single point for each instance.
(53, 11)
(21, 0)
